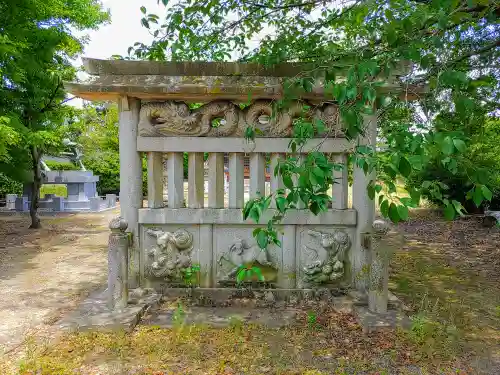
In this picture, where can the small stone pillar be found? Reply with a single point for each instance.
(10, 201)
(110, 200)
(379, 270)
(95, 204)
(22, 204)
(118, 264)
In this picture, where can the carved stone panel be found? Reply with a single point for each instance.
(323, 255)
(169, 251)
(226, 119)
(234, 246)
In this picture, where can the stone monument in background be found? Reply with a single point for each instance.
(81, 186)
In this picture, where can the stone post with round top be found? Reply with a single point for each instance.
(379, 269)
(118, 264)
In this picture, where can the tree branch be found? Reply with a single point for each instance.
(52, 97)
(287, 6)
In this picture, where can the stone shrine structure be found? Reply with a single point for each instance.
(81, 187)
(325, 251)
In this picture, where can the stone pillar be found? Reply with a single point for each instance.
(22, 204)
(118, 264)
(155, 179)
(95, 204)
(365, 208)
(110, 200)
(130, 176)
(10, 201)
(378, 292)
(130, 162)
(58, 204)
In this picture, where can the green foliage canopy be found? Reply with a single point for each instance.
(38, 40)
(451, 47)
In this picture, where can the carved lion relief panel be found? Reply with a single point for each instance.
(323, 255)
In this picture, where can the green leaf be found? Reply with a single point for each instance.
(255, 213)
(447, 146)
(145, 23)
(403, 212)
(384, 208)
(458, 207)
(487, 194)
(287, 181)
(392, 36)
(258, 272)
(371, 191)
(240, 276)
(262, 239)
(292, 197)
(256, 231)
(449, 212)
(315, 208)
(352, 92)
(248, 207)
(381, 198)
(394, 213)
(477, 196)
(459, 144)
(281, 204)
(143, 10)
(404, 166)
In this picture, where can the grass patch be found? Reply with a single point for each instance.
(339, 347)
(454, 302)
(57, 189)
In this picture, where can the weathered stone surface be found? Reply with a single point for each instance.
(171, 256)
(240, 253)
(93, 313)
(324, 256)
(379, 269)
(195, 80)
(118, 244)
(229, 216)
(239, 144)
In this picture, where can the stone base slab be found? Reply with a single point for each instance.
(258, 297)
(372, 322)
(219, 318)
(93, 313)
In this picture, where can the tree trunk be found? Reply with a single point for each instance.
(35, 194)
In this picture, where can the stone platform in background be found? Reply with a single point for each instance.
(93, 312)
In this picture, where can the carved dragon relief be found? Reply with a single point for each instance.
(171, 255)
(325, 257)
(240, 253)
(223, 119)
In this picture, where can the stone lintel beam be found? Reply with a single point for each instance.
(100, 67)
(202, 81)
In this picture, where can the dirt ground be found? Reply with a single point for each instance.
(45, 272)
